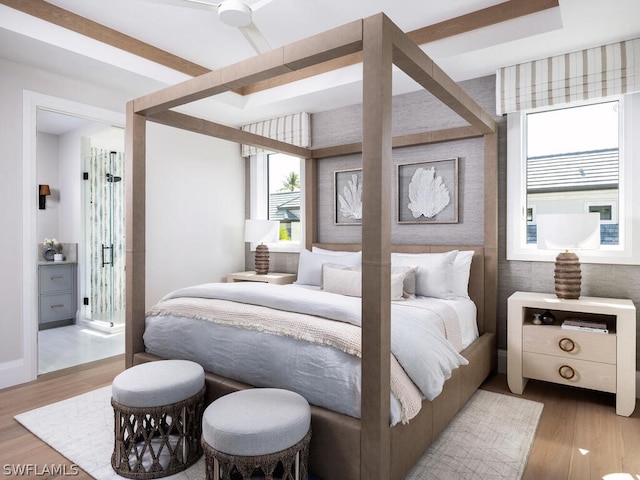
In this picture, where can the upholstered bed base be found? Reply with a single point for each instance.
(335, 444)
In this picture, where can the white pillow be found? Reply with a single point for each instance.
(331, 252)
(409, 280)
(310, 265)
(461, 270)
(347, 280)
(434, 274)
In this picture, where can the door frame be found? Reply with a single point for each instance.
(32, 101)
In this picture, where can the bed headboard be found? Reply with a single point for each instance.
(477, 276)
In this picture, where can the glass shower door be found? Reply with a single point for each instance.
(104, 294)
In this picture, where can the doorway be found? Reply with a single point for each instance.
(79, 127)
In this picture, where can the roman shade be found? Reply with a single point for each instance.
(294, 129)
(587, 74)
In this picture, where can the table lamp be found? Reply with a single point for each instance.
(261, 231)
(568, 231)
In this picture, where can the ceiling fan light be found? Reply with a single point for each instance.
(234, 13)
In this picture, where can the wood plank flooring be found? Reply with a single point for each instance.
(18, 446)
(579, 437)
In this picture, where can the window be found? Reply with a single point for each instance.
(570, 159)
(284, 197)
(277, 194)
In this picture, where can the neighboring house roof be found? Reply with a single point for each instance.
(284, 205)
(594, 170)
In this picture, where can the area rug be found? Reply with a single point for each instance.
(489, 439)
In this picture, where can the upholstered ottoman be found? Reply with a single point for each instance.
(158, 418)
(259, 431)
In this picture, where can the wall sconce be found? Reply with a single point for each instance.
(43, 191)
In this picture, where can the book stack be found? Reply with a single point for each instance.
(584, 325)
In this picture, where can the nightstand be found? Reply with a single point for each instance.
(593, 360)
(271, 277)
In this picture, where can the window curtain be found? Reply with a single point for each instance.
(588, 74)
(293, 129)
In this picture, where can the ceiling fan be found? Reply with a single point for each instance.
(235, 13)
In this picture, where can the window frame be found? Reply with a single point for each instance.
(259, 203)
(628, 249)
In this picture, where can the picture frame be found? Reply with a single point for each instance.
(428, 192)
(347, 197)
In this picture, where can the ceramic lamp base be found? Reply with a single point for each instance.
(261, 263)
(568, 276)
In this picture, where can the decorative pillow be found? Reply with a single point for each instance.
(461, 270)
(342, 279)
(434, 274)
(310, 265)
(347, 280)
(409, 280)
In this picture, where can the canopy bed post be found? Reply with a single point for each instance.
(135, 153)
(490, 231)
(376, 249)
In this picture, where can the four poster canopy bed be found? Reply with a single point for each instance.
(370, 441)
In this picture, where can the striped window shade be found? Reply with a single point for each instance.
(293, 129)
(588, 74)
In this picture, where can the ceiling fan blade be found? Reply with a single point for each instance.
(255, 38)
(259, 4)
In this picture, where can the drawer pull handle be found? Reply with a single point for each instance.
(57, 306)
(566, 372)
(566, 345)
(58, 277)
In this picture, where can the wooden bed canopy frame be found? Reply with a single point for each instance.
(382, 45)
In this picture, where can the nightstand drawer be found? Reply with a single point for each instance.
(553, 340)
(579, 373)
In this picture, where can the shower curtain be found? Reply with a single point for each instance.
(105, 237)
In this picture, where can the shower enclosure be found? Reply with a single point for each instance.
(103, 297)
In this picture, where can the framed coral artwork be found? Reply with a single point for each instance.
(348, 197)
(428, 192)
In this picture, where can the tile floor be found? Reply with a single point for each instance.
(65, 347)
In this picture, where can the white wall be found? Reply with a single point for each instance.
(48, 222)
(195, 210)
(195, 229)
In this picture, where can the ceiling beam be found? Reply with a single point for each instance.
(76, 23)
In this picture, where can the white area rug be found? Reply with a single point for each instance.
(489, 439)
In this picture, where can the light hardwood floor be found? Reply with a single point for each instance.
(579, 437)
(18, 446)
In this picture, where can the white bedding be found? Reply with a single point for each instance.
(326, 373)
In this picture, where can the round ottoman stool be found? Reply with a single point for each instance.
(259, 431)
(158, 418)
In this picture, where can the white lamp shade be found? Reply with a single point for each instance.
(261, 231)
(570, 231)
